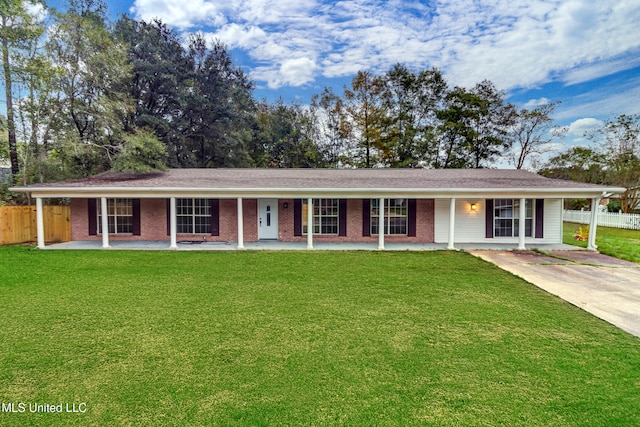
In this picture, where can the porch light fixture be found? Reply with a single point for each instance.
(474, 206)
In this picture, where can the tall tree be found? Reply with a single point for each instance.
(411, 101)
(162, 73)
(330, 128)
(474, 127)
(285, 134)
(93, 84)
(215, 107)
(533, 133)
(363, 108)
(17, 28)
(456, 130)
(620, 139)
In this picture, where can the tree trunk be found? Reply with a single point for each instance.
(11, 126)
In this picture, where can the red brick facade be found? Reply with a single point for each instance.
(153, 223)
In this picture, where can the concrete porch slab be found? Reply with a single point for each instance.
(273, 245)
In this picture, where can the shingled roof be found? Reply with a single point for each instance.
(258, 182)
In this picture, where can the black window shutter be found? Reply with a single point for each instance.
(297, 217)
(411, 218)
(489, 219)
(366, 217)
(342, 215)
(215, 217)
(93, 217)
(135, 210)
(539, 218)
(168, 217)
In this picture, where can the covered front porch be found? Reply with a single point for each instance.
(466, 206)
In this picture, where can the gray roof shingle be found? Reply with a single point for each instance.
(321, 178)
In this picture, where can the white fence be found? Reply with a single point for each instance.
(606, 219)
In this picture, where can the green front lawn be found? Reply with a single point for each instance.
(299, 338)
(617, 242)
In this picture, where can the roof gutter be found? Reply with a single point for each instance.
(165, 192)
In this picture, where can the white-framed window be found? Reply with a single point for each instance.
(395, 216)
(326, 214)
(193, 216)
(119, 216)
(506, 218)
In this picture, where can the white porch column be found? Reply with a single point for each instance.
(240, 225)
(452, 223)
(381, 213)
(593, 224)
(521, 224)
(309, 223)
(173, 228)
(105, 222)
(40, 222)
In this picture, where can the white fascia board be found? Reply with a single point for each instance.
(353, 193)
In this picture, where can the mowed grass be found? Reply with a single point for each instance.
(617, 242)
(298, 338)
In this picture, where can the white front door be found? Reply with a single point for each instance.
(268, 219)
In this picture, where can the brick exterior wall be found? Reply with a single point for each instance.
(153, 223)
(424, 225)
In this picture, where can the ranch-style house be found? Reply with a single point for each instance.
(442, 206)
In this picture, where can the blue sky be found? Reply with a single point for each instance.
(585, 53)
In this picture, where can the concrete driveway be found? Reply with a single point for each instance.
(607, 287)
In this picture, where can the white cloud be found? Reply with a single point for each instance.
(182, 15)
(298, 71)
(608, 102)
(533, 103)
(519, 43)
(580, 126)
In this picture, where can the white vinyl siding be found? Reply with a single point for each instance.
(470, 225)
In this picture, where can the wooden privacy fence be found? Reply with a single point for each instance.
(18, 224)
(606, 219)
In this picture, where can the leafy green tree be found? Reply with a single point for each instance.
(141, 152)
(93, 84)
(215, 107)
(474, 127)
(18, 28)
(284, 133)
(161, 75)
(411, 100)
(456, 130)
(364, 112)
(620, 139)
(580, 164)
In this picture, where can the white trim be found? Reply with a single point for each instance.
(173, 225)
(452, 222)
(240, 225)
(105, 222)
(593, 225)
(337, 193)
(381, 215)
(522, 222)
(309, 223)
(40, 223)
(335, 203)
